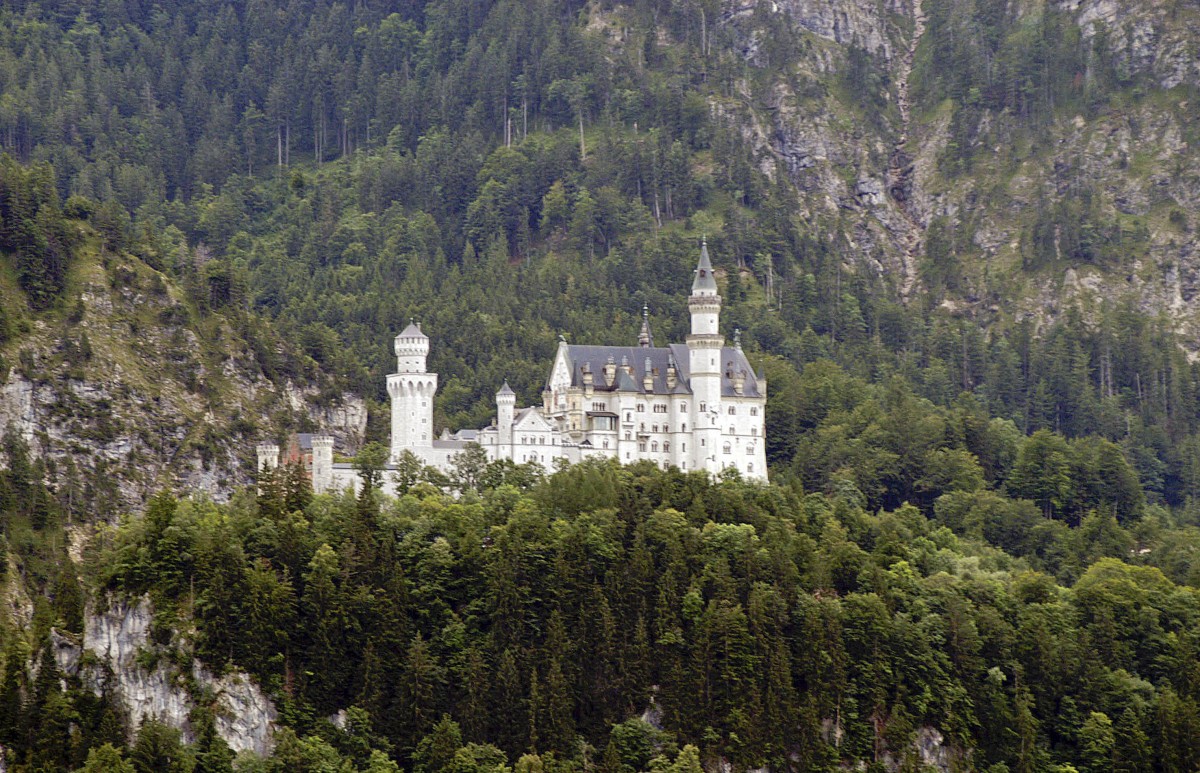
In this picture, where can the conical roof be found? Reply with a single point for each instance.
(412, 331)
(704, 279)
(506, 389)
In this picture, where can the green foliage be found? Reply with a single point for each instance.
(34, 233)
(106, 759)
(756, 611)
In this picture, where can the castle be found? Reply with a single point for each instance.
(697, 405)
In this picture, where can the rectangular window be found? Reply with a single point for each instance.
(641, 407)
(683, 407)
(597, 406)
(753, 411)
(660, 408)
(684, 427)
(703, 408)
(732, 410)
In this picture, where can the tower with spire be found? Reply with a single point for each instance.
(411, 389)
(704, 358)
(645, 337)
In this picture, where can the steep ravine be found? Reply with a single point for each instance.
(900, 174)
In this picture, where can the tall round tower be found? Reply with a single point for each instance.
(411, 388)
(704, 358)
(506, 402)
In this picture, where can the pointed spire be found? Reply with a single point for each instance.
(506, 389)
(645, 338)
(704, 280)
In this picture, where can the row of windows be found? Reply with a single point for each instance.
(662, 408)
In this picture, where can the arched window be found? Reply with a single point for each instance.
(749, 450)
(753, 411)
(750, 467)
(728, 448)
(654, 446)
(732, 410)
(666, 445)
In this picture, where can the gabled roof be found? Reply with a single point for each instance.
(531, 418)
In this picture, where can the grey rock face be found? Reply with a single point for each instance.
(149, 684)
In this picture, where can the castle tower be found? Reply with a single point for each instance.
(704, 356)
(411, 388)
(322, 463)
(268, 456)
(506, 403)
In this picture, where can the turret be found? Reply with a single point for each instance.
(645, 338)
(322, 463)
(411, 347)
(268, 456)
(704, 354)
(506, 402)
(704, 303)
(412, 389)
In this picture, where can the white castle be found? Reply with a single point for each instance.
(696, 406)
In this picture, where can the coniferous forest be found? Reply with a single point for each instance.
(979, 547)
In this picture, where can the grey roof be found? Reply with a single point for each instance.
(704, 272)
(733, 361)
(412, 331)
(450, 444)
(304, 440)
(506, 389)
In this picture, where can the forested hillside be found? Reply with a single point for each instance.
(622, 619)
(958, 238)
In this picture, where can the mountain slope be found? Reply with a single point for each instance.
(130, 384)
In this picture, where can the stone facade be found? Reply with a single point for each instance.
(698, 405)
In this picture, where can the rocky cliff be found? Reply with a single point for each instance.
(130, 388)
(148, 681)
(1092, 201)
